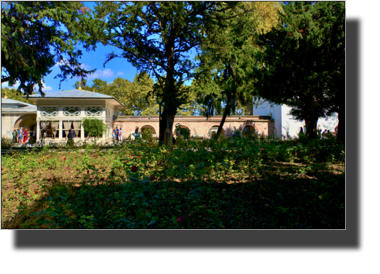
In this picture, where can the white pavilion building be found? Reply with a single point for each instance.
(57, 112)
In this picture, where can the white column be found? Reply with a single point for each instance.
(60, 129)
(82, 115)
(38, 130)
(104, 133)
(81, 132)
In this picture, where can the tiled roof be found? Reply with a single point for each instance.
(6, 101)
(14, 106)
(74, 94)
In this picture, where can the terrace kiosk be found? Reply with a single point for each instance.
(16, 114)
(57, 112)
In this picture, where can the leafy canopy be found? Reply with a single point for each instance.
(37, 35)
(303, 60)
(158, 37)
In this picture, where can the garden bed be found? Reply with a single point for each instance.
(251, 185)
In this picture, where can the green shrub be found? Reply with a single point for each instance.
(147, 134)
(184, 132)
(93, 127)
(6, 143)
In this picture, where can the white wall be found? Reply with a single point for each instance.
(284, 122)
(7, 125)
(263, 108)
(289, 124)
(328, 123)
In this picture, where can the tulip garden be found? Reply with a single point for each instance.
(229, 184)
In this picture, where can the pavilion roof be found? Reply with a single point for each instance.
(14, 106)
(72, 94)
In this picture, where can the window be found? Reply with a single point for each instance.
(49, 111)
(71, 111)
(49, 129)
(75, 125)
(93, 111)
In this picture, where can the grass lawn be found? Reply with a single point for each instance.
(231, 184)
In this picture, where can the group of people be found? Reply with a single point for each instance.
(323, 134)
(23, 136)
(327, 133)
(117, 134)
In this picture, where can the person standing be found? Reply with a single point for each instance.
(115, 134)
(20, 133)
(301, 130)
(136, 131)
(14, 136)
(121, 134)
(25, 135)
(70, 137)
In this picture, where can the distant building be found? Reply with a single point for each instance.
(16, 114)
(285, 124)
(57, 112)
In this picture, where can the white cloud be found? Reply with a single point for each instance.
(5, 85)
(48, 88)
(35, 87)
(64, 61)
(44, 87)
(120, 73)
(84, 66)
(107, 73)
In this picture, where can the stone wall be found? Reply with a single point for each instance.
(198, 125)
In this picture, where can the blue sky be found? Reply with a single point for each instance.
(93, 60)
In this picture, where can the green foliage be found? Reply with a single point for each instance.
(6, 143)
(37, 35)
(147, 134)
(94, 127)
(13, 94)
(133, 95)
(303, 62)
(185, 132)
(230, 184)
(227, 60)
(158, 39)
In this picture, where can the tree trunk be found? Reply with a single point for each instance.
(342, 111)
(311, 128)
(341, 124)
(250, 109)
(226, 111)
(166, 128)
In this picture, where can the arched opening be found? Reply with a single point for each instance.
(27, 121)
(249, 131)
(213, 130)
(144, 128)
(181, 130)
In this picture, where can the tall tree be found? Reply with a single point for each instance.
(37, 35)
(303, 64)
(133, 95)
(158, 37)
(228, 58)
